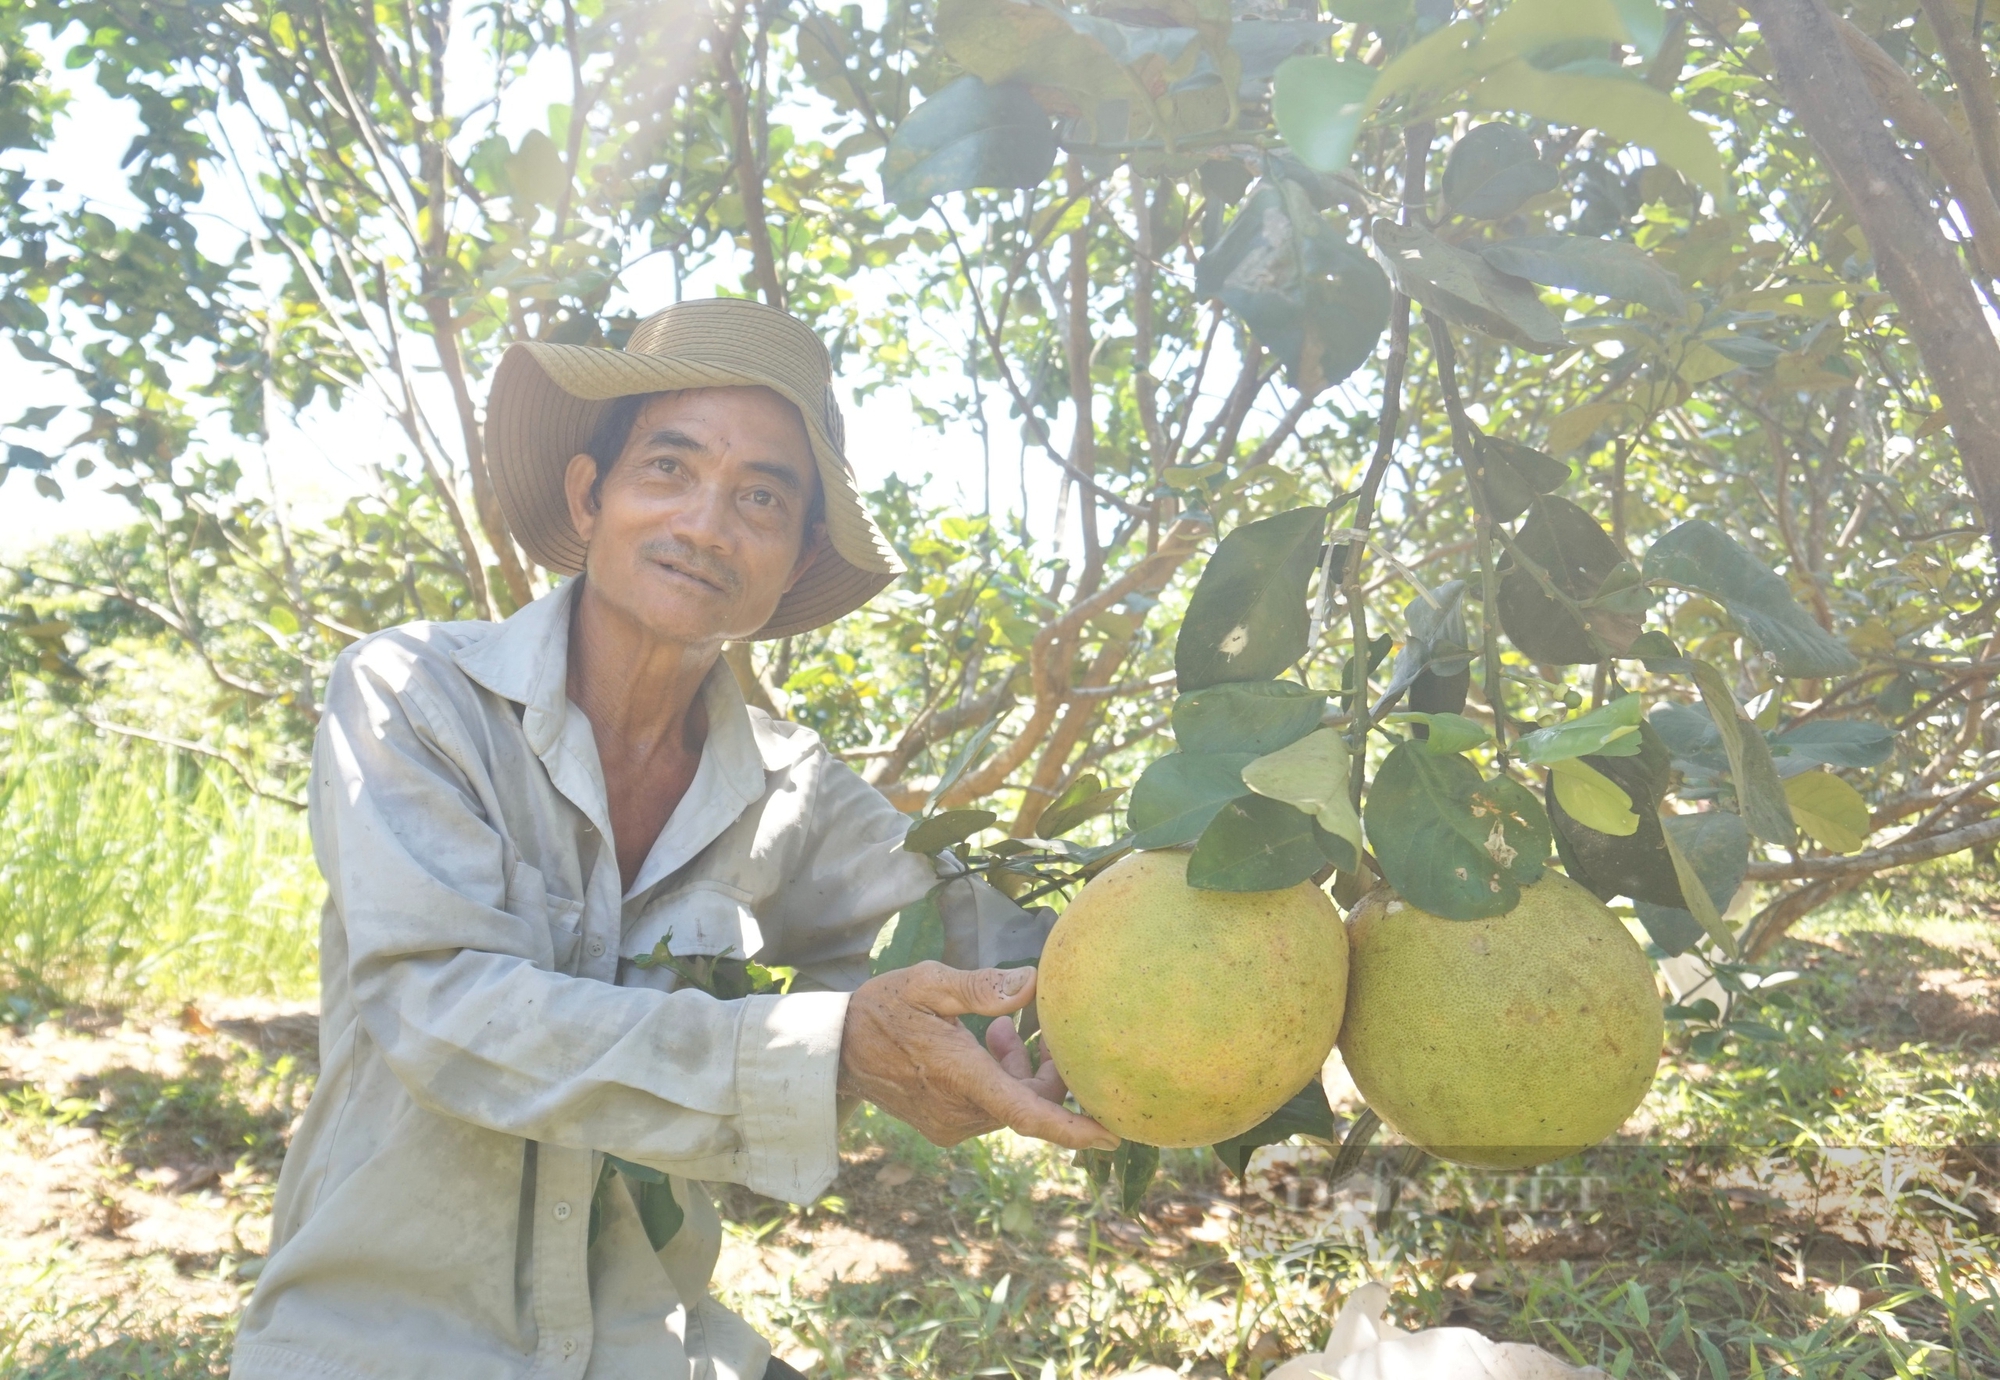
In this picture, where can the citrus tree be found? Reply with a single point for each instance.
(1529, 361)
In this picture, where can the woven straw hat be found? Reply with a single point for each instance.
(546, 399)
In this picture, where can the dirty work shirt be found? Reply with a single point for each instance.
(486, 1039)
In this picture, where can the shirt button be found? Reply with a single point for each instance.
(562, 1212)
(569, 1346)
(595, 948)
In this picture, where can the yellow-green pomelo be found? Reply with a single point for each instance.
(1185, 1017)
(1502, 1042)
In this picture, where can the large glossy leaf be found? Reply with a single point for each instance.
(1444, 733)
(969, 135)
(1629, 111)
(918, 935)
(941, 831)
(1593, 799)
(1255, 844)
(1448, 841)
(1636, 864)
(1838, 742)
(1700, 556)
(1263, 45)
(1436, 640)
(1257, 716)
(1465, 288)
(1610, 730)
(1318, 304)
(1577, 555)
(1582, 263)
(1830, 810)
(1318, 104)
(1492, 170)
(1085, 799)
(1751, 769)
(1177, 795)
(1247, 618)
(1307, 1113)
(1710, 853)
(1510, 475)
(1312, 775)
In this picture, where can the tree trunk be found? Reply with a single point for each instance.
(1940, 312)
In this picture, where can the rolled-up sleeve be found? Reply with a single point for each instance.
(460, 994)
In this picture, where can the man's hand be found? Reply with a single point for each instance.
(904, 1050)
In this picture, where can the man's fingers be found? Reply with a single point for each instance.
(1034, 1116)
(968, 992)
(1003, 1042)
(1047, 1081)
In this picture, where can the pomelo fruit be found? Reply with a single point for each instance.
(1184, 1017)
(1502, 1042)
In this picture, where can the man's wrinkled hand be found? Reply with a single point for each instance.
(904, 1050)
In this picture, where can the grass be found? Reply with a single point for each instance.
(1814, 1198)
(134, 871)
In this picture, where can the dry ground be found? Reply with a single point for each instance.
(1822, 1205)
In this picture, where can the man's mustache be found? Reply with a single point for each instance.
(685, 558)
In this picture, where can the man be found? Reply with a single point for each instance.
(499, 1173)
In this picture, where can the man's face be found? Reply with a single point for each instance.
(700, 527)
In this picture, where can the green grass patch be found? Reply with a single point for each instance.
(135, 871)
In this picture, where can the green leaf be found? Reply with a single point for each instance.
(1465, 288)
(1318, 104)
(1263, 46)
(1713, 839)
(1444, 733)
(1436, 641)
(1582, 263)
(535, 172)
(1752, 352)
(941, 831)
(1610, 730)
(1670, 927)
(917, 935)
(36, 418)
(659, 1212)
(1134, 1165)
(1178, 795)
(1629, 111)
(969, 135)
(1086, 799)
(1247, 619)
(1830, 810)
(1634, 864)
(961, 761)
(1492, 170)
(1510, 475)
(1577, 555)
(1593, 799)
(1311, 774)
(1255, 844)
(1305, 1113)
(1450, 843)
(1313, 300)
(1700, 556)
(1839, 742)
(1755, 775)
(1257, 716)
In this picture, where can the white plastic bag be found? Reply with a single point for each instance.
(1367, 1346)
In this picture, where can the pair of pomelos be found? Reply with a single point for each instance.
(1183, 1017)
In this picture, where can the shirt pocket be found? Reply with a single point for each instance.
(529, 897)
(706, 918)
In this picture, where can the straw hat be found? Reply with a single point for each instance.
(546, 399)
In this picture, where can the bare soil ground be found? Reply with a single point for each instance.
(138, 1153)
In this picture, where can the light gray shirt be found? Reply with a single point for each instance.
(486, 1038)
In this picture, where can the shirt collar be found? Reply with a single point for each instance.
(526, 659)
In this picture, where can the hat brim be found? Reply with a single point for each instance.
(545, 403)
